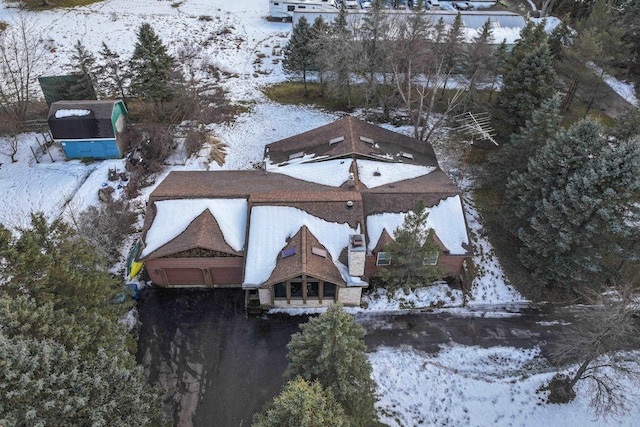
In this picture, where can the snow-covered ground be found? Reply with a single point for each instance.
(459, 386)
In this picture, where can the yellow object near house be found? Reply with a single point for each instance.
(135, 269)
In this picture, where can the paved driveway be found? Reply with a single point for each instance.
(219, 366)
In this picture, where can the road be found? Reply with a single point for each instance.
(219, 366)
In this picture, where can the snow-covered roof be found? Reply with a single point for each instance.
(333, 173)
(271, 226)
(69, 113)
(446, 219)
(374, 174)
(174, 216)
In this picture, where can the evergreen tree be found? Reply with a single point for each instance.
(84, 65)
(83, 330)
(319, 32)
(42, 383)
(527, 86)
(112, 73)
(412, 252)
(455, 48)
(480, 59)
(500, 56)
(627, 127)
(512, 158)
(374, 55)
(573, 205)
(302, 404)
(65, 358)
(299, 53)
(559, 38)
(338, 57)
(330, 349)
(50, 263)
(531, 38)
(151, 67)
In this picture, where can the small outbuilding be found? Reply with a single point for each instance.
(88, 129)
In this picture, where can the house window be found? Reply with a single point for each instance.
(432, 259)
(291, 8)
(288, 252)
(328, 290)
(296, 289)
(280, 290)
(318, 251)
(312, 289)
(383, 259)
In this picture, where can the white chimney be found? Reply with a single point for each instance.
(357, 254)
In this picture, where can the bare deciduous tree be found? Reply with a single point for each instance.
(421, 70)
(597, 342)
(9, 147)
(21, 57)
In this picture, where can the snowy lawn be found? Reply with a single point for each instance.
(472, 386)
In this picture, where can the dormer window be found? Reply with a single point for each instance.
(383, 259)
(288, 252)
(319, 251)
(367, 140)
(432, 259)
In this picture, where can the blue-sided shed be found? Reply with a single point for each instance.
(88, 129)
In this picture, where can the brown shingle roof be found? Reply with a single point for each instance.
(203, 232)
(304, 262)
(353, 131)
(227, 185)
(402, 196)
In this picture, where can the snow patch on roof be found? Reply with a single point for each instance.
(388, 172)
(333, 173)
(271, 226)
(446, 219)
(174, 216)
(69, 113)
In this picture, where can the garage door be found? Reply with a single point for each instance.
(184, 276)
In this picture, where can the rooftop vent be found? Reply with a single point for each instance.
(288, 252)
(367, 140)
(336, 140)
(297, 155)
(406, 155)
(349, 204)
(319, 251)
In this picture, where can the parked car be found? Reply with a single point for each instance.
(351, 4)
(432, 4)
(462, 5)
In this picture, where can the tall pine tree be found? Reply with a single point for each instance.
(151, 67)
(330, 349)
(113, 72)
(527, 86)
(573, 204)
(299, 53)
(513, 156)
(83, 64)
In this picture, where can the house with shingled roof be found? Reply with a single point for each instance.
(308, 230)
